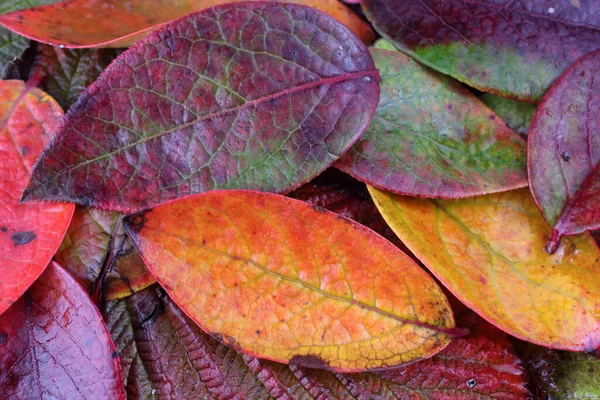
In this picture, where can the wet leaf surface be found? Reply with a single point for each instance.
(564, 151)
(115, 23)
(489, 253)
(278, 279)
(152, 333)
(431, 137)
(67, 73)
(516, 114)
(55, 344)
(510, 48)
(261, 104)
(29, 233)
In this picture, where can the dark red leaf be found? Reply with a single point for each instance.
(55, 345)
(511, 48)
(564, 151)
(244, 95)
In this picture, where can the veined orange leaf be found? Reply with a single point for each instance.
(279, 279)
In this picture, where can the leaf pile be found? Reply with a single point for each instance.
(299, 199)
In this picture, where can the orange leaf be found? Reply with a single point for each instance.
(276, 278)
(29, 233)
(117, 23)
(489, 251)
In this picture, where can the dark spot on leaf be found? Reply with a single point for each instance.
(566, 156)
(22, 238)
(258, 331)
(492, 117)
(471, 383)
(3, 338)
(114, 355)
(135, 222)
(4, 229)
(449, 106)
(24, 150)
(309, 361)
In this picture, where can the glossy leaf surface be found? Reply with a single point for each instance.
(114, 23)
(564, 151)
(431, 137)
(29, 233)
(278, 279)
(489, 251)
(577, 376)
(516, 114)
(254, 95)
(54, 344)
(152, 333)
(511, 48)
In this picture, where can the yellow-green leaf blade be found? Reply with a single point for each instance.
(489, 251)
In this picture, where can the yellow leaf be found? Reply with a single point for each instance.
(489, 251)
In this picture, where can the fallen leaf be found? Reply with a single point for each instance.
(29, 233)
(516, 114)
(99, 254)
(512, 49)
(84, 249)
(276, 278)
(54, 344)
(266, 114)
(127, 274)
(577, 376)
(564, 151)
(162, 350)
(488, 251)
(115, 23)
(11, 47)
(431, 137)
(67, 73)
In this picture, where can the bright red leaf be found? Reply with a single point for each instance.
(245, 95)
(29, 233)
(564, 151)
(54, 344)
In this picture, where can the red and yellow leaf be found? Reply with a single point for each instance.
(115, 23)
(278, 279)
(251, 95)
(514, 49)
(564, 151)
(489, 251)
(54, 344)
(29, 233)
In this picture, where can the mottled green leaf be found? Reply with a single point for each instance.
(431, 137)
(516, 114)
(577, 376)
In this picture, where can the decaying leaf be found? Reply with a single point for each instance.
(489, 252)
(54, 344)
(431, 137)
(511, 48)
(29, 233)
(564, 151)
(278, 279)
(116, 23)
(246, 95)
